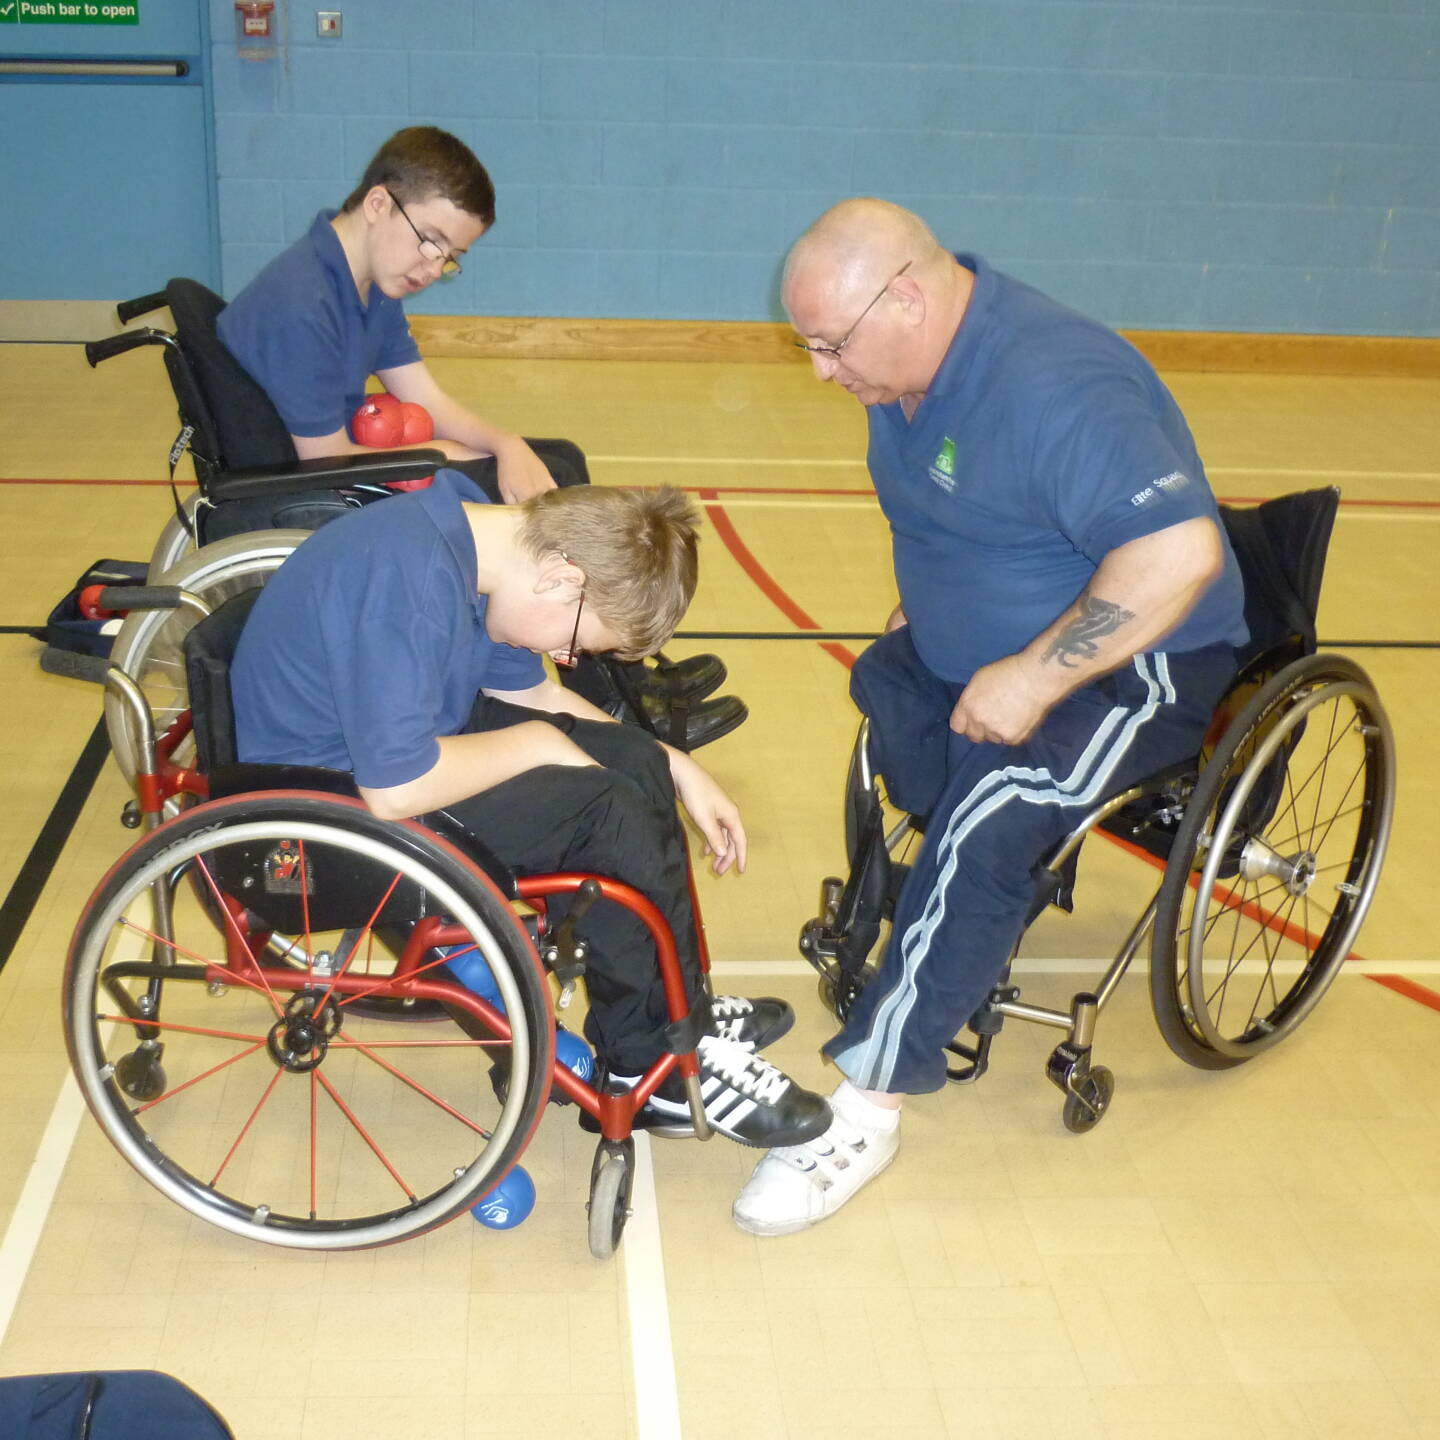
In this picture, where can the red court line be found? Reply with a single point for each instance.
(772, 590)
(1409, 989)
(764, 581)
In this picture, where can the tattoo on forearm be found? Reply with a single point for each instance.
(1076, 643)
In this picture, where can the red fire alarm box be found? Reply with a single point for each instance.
(255, 29)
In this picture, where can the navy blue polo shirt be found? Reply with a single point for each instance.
(1044, 441)
(301, 332)
(369, 642)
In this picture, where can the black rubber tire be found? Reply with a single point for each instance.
(1086, 1110)
(1247, 813)
(421, 1106)
(612, 1178)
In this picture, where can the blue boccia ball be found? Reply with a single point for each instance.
(573, 1053)
(468, 966)
(509, 1203)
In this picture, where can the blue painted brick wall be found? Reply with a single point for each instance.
(1180, 164)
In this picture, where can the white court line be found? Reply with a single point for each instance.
(22, 1235)
(1040, 966)
(652, 1356)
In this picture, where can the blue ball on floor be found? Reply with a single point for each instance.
(509, 1204)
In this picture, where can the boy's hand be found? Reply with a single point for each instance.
(522, 473)
(715, 814)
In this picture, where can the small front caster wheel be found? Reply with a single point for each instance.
(612, 1177)
(1086, 1106)
(140, 1075)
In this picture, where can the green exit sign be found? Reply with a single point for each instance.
(70, 12)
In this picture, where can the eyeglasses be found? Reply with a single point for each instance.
(429, 250)
(834, 350)
(571, 656)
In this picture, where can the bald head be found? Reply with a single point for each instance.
(876, 298)
(854, 247)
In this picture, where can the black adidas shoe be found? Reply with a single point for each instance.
(746, 1098)
(755, 1024)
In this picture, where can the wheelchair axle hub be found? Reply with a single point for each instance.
(1258, 861)
(299, 1039)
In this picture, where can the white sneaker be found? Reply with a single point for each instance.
(800, 1185)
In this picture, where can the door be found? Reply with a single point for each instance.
(106, 154)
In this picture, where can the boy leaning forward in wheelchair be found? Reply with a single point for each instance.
(403, 643)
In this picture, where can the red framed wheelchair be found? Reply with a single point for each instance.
(259, 1008)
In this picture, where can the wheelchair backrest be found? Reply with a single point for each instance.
(209, 649)
(1280, 546)
(236, 425)
(331, 897)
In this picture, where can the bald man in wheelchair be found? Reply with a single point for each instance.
(1069, 608)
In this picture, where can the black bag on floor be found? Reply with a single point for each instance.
(78, 646)
(105, 1405)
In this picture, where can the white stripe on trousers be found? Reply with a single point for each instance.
(1081, 787)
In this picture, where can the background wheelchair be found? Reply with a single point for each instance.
(255, 501)
(1272, 841)
(251, 995)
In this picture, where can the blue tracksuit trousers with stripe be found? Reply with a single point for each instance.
(995, 812)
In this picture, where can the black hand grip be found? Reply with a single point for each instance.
(112, 345)
(98, 602)
(127, 310)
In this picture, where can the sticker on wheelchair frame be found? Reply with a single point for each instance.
(288, 870)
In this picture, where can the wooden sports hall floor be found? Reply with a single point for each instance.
(1254, 1253)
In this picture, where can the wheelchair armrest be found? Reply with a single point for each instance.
(376, 467)
(245, 776)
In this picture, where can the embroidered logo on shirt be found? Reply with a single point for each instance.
(942, 467)
(1175, 480)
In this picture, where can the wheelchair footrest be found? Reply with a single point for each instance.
(976, 1060)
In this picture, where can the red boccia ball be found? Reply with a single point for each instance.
(417, 427)
(379, 423)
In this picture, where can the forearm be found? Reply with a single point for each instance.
(469, 764)
(1136, 597)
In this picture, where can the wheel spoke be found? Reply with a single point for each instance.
(245, 1128)
(196, 1079)
(364, 1134)
(365, 930)
(234, 925)
(366, 1049)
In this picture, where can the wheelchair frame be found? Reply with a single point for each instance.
(111, 1084)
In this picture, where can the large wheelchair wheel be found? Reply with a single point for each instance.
(1275, 863)
(249, 1089)
(149, 647)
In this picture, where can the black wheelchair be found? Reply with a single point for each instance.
(255, 501)
(259, 1007)
(1271, 841)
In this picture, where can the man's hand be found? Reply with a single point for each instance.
(522, 473)
(1003, 703)
(715, 814)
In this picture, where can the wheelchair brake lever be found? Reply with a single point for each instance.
(564, 954)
